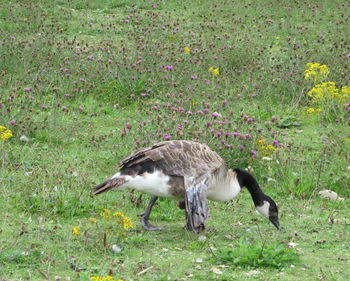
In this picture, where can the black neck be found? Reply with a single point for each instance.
(247, 180)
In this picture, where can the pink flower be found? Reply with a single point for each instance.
(273, 118)
(253, 153)
(167, 137)
(241, 147)
(27, 90)
(12, 122)
(215, 114)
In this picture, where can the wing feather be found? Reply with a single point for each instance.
(177, 158)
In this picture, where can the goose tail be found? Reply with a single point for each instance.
(108, 185)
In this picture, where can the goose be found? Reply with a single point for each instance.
(189, 172)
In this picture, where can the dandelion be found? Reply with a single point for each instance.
(187, 50)
(76, 230)
(214, 71)
(5, 133)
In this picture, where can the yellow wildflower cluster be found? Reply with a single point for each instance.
(214, 71)
(187, 50)
(312, 110)
(123, 220)
(316, 71)
(327, 91)
(107, 278)
(93, 220)
(106, 214)
(5, 133)
(263, 148)
(76, 230)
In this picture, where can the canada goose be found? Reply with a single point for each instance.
(190, 172)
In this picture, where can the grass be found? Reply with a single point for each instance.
(87, 82)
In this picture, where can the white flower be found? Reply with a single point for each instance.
(267, 158)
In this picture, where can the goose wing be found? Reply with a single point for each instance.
(177, 158)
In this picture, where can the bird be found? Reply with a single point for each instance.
(189, 172)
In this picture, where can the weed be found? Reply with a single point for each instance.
(256, 255)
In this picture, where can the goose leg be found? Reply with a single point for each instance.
(196, 208)
(145, 216)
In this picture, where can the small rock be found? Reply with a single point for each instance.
(216, 270)
(292, 244)
(116, 249)
(202, 238)
(24, 138)
(252, 272)
(330, 195)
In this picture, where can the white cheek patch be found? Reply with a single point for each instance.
(264, 209)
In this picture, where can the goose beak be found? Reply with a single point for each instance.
(275, 222)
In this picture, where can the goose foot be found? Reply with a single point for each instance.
(147, 226)
(145, 216)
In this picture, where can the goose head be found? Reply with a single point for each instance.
(263, 203)
(268, 209)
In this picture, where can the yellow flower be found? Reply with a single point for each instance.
(348, 139)
(93, 220)
(187, 50)
(106, 214)
(216, 71)
(98, 278)
(5, 133)
(277, 38)
(76, 230)
(263, 148)
(316, 71)
(327, 91)
(123, 220)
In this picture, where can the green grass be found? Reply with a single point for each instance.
(99, 90)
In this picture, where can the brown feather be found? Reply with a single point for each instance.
(177, 158)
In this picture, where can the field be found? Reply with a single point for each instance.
(266, 84)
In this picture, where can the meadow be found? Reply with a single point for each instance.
(266, 84)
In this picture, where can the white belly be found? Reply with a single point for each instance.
(156, 184)
(223, 191)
